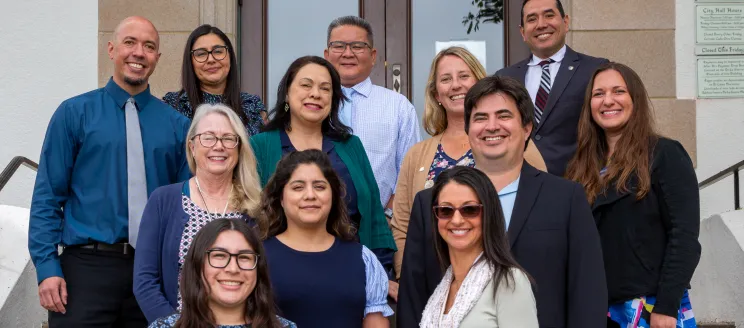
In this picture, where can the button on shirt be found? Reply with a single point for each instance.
(387, 124)
(80, 195)
(534, 72)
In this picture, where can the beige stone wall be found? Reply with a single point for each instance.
(640, 34)
(174, 19)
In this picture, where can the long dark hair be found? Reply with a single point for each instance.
(632, 155)
(274, 221)
(190, 84)
(496, 250)
(259, 306)
(331, 126)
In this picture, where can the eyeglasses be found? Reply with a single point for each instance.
(209, 140)
(357, 47)
(201, 55)
(220, 259)
(469, 211)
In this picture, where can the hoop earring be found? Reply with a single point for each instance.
(286, 107)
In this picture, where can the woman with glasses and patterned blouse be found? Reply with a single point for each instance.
(225, 281)
(225, 185)
(320, 275)
(483, 286)
(209, 74)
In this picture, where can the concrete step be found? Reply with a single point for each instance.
(717, 325)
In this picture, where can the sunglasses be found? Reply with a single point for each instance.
(469, 211)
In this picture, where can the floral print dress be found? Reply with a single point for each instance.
(442, 161)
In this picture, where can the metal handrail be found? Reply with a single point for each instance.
(13, 166)
(733, 169)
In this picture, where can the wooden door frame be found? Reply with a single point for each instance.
(391, 24)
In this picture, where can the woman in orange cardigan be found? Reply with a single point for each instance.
(453, 71)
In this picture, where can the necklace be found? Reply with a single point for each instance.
(201, 193)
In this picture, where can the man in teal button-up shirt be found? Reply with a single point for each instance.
(80, 195)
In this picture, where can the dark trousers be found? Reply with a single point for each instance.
(99, 288)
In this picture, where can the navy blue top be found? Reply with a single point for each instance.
(318, 289)
(80, 195)
(339, 166)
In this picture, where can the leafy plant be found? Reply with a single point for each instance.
(488, 11)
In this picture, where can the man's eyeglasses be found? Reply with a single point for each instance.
(357, 47)
(220, 259)
(201, 55)
(209, 140)
(469, 211)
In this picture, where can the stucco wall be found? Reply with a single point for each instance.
(50, 55)
(720, 122)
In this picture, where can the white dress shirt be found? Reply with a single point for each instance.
(534, 72)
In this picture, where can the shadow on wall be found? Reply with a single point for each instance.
(19, 301)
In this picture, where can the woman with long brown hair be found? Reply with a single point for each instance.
(645, 200)
(225, 281)
(321, 277)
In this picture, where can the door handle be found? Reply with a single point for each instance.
(396, 78)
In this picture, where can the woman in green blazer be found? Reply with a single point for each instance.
(306, 117)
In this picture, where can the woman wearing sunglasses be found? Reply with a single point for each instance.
(225, 281)
(483, 286)
(209, 74)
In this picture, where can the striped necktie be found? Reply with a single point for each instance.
(542, 94)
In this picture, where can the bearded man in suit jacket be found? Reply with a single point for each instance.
(550, 225)
(556, 77)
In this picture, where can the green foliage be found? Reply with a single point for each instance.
(488, 11)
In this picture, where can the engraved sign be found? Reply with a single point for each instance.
(720, 77)
(718, 50)
(720, 24)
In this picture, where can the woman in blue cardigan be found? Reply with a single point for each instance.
(225, 185)
(306, 117)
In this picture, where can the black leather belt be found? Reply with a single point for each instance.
(120, 248)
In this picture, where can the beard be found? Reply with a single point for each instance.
(134, 82)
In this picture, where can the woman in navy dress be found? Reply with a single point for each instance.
(321, 277)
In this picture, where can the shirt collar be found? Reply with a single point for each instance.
(120, 96)
(363, 88)
(556, 57)
(510, 188)
(287, 144)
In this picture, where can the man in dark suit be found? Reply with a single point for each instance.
(550, 225)
(555, 77)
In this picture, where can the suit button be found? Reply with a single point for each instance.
(538, 137)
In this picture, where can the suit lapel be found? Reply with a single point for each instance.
(529, 188)
(521, 68)
(568, 66)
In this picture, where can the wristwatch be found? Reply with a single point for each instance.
(389, 213)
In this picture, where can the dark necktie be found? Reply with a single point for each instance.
(544, 91)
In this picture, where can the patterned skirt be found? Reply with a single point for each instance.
(636, 313)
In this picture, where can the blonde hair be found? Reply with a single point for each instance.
(246, 194)
(435, 116)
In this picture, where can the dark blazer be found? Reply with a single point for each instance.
(553, 237)
(156, 258)
(651, 245)
(555, 136)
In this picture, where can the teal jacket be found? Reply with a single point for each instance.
(374, 231)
